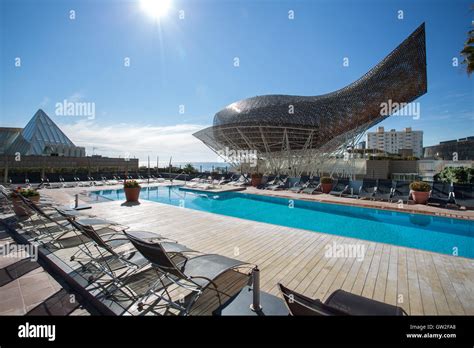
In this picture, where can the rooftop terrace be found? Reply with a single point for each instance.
(421, 282)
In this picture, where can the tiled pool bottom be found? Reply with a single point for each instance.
(431, 233)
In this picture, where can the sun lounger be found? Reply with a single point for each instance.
(142, 180)
(100, 250)
(32, 221)
(96, 182)
(225, 180)
(464, 195)
(341, 187)
(401, 192)
(118, 179)
(240, 179)
(243, 180)
(113, 181)
(297, 185)
(313, 186)
(230, 179)
(191, 272)
(67, 184)
(82, 183)
(300, 185)
(338, 303)
(440, 194)
(53, 185)
(384, 190)
(196, 181)
(36, 186)
(90, 220)
(151, 178)
(367, 190)
(216, 181)
(281, 184)
(158, 179)
(105, 180)
(61, 221)
(269, 181)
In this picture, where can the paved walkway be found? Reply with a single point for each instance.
(27, 289)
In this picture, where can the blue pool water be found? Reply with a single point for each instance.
(438, 234)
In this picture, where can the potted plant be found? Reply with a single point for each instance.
(420, 191)
(18, 205)
(132, 190)
(256, 179)
(326, 184)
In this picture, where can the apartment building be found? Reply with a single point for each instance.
(396, 142)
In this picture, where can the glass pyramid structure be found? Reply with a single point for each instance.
(41, 136)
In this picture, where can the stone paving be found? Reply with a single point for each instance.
(26, 288)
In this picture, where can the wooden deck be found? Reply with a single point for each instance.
(423, 283)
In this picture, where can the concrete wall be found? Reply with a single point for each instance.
(382, 169)
(403, 167)
(378, 169)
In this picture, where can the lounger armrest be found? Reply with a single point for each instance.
(353, 304)
(205, 278)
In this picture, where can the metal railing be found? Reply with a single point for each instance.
(177, 176)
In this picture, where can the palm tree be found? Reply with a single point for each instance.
(189, 169)
(468, 51)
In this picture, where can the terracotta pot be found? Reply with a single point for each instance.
(326, 188)
(132, 194)
(19, 207)
(420, 197)
(256, 180)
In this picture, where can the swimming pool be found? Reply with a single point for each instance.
(432, 233)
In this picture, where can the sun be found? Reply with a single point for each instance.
(155, 8)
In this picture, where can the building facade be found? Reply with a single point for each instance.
(40, 137)
(460, 149)
(397, 142)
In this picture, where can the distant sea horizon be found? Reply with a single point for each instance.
(201, 166)
(206, 166)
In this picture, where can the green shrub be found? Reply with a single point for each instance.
(420, 186)
(326, 180)
(131, 184)
(458, 175)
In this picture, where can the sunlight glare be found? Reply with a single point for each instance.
(155, 8)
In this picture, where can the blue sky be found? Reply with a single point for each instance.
(190, 62)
